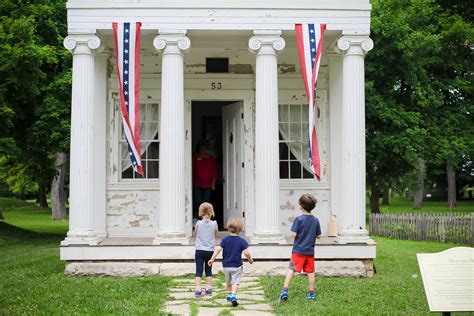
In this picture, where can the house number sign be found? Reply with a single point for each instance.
(216, 85)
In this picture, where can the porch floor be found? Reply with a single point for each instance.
(148, 241)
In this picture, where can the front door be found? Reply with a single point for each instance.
(232, 126)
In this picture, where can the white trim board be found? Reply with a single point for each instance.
(173, 252)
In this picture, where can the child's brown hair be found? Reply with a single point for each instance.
(307, 202)
(206, 209)
(235, 225)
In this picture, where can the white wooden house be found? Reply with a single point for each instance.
(229, 71)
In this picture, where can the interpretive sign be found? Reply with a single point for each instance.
(448, 279)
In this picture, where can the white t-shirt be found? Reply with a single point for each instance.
(205, 237)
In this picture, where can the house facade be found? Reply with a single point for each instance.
(227, 72)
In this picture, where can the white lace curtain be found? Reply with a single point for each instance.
(149, 127)
(294, 131)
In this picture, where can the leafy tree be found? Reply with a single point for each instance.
(34, 86)
(451, 122)
(397, 88)
(20, 181)
(419, 93)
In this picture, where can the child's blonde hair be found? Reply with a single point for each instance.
(206, 209)
(235, 225)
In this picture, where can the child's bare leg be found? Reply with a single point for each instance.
(209, 282)
(311, 281)
(234, 288)
(198, 282)
(229, 288)
(289, 277)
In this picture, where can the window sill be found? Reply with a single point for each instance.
(135, 184)
(286, 184)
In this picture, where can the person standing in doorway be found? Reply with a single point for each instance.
(204, 176)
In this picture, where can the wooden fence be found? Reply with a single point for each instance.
(450, 227)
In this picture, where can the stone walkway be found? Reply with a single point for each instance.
(250, 296)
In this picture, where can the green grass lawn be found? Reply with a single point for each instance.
(396, 288)
(31, 217)
(32, 280)
(404, 205)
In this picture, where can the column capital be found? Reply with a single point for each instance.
(266, 42)
(354, 45)
(172, 41)
(84, 44)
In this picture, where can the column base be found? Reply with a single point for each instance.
(171, 238)
(270, 237)
(80, 238)
(354, 236)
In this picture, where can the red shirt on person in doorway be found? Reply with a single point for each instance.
(204, 171)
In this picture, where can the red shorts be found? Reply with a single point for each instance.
(303, 263)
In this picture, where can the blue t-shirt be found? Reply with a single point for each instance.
(306, 228)
(232, 253)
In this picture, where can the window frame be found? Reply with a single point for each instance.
(303, 129)
(119, 141)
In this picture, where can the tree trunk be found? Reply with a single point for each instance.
(58, 194)
(451, 185)
(385, 195)
(420, 192)
(374, 197)
(1, 217)
(42, 200)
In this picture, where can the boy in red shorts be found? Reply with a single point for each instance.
(305, 230)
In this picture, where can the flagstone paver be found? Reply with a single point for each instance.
(250, 313)
(210, 311)
(251, 297)
(182, 309)
(252, 300)
(258, 307)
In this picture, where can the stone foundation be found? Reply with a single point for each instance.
(328, 268)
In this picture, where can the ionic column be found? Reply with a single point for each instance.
(266, 45)
(352, 221)
(82, 163)
(171, 219)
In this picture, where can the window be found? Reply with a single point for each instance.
(293, 141)
(217, 65)
(150, 144)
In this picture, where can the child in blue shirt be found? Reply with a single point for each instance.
(305, 230)
(233, 246)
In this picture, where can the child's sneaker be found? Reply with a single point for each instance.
(208, 291)
(198, 293)
(283, 296)
(233, 300)
(228, 297)
(310, 296)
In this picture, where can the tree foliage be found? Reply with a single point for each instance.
(34, 86)
(419, 89)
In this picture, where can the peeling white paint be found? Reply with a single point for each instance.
(133, 213)
(289, 207)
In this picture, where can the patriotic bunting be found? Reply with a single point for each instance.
(127, 57)
(310, 47)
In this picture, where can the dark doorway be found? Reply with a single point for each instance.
(207, 124)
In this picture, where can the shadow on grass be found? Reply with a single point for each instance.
(10, 234)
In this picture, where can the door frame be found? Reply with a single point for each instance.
(247, 97)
